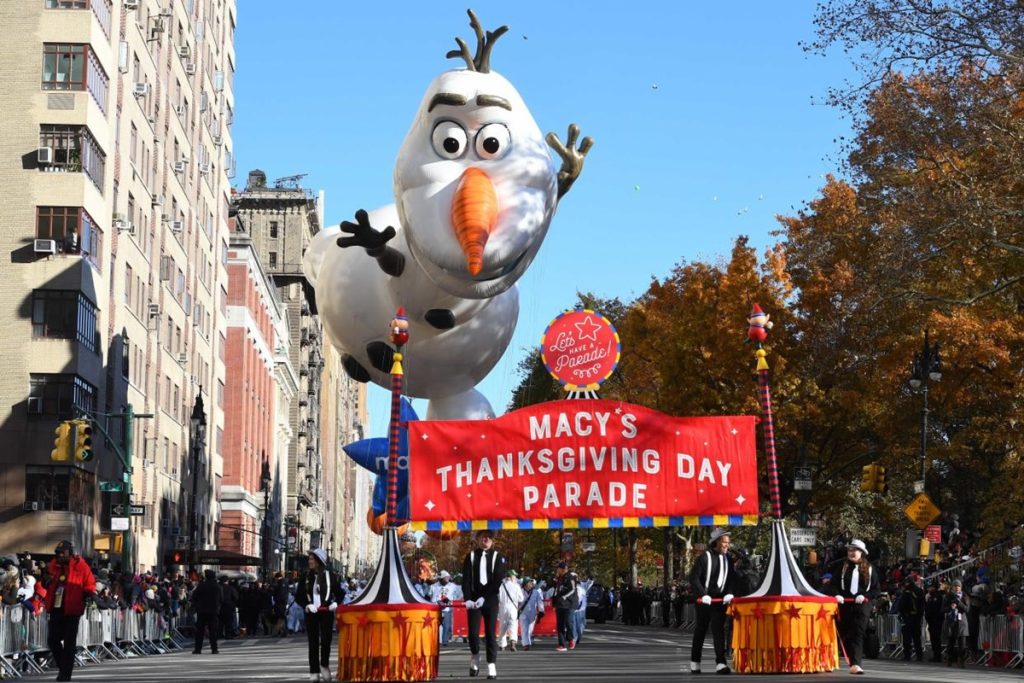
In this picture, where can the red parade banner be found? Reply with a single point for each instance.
(581, 459)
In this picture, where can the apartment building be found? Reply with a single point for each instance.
(116, 157)
(261, 383)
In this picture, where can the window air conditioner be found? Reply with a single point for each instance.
(166, 12)
(204, 168)
(129, 227)
(179, 109)
(35, 405)
(177, 226)
(44, 155)
(218, 140)
(119, 218)
(190, 69)
(131, 4)
(184, 51)
(154, 310)
(44, 246)
(182, 358)
(141, 89)
(179, 166)
(158, 200)
(30, 506)
(158, 25)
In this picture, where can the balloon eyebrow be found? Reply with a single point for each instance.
(449, 98)
(493, 101)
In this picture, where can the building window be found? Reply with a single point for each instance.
(65, 489)
(73, 229)
(60, 393)
(58, 314)
(67, 4)
(74, 67)
(126, 357)
(273, 229)
(273, 259)
(74, 151)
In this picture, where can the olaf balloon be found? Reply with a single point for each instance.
(475, 187)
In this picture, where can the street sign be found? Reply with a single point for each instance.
(801, 484)
(933, 533)
(802, 537)
(135, 510)
(567, 543)
(801, 478)
(919, 486)
(588, 547)
(110, 486)
(922, 511)
(119, 524)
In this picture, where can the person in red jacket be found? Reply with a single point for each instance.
(69, 583)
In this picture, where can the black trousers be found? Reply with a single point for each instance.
(206, 624)
(853, 622)
(912, 637)
(489, 614)
(935, 636)
(319, 629)
(62, 640)
(709, 617)
(564, 626)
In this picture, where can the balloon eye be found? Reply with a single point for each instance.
(449, 140)
(493, 141)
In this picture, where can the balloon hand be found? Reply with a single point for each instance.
(572, 157)
(364, 235)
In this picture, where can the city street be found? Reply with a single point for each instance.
(608, 652)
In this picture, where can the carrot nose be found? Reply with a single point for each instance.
(474, 213)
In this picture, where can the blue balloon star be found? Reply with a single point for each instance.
(372, 454)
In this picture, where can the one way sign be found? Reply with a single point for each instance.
(120, 510)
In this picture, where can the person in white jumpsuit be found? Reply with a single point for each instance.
(533, 606)
(510, 598)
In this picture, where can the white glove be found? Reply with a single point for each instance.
(840, 599)
(333, 607)
(310, 608)
(479, 603)
(706, 600)
(860, 600)
(727, 598)
(472, 604)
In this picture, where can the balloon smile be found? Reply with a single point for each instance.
(508, 268)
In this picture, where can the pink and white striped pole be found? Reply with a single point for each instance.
(399, 335)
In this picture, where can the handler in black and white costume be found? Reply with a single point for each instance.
(712, 577)
(856, 588)
(482, 573)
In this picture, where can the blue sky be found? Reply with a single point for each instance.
(704, 120)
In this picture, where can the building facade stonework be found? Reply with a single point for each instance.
(117, 154)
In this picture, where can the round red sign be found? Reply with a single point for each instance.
(580, 349)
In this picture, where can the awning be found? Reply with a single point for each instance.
(215, 556)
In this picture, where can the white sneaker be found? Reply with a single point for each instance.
(492, 671)
(855, 669)
(695, 667)
(314, 677)
(325, 673)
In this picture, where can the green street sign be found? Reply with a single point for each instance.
(111, 486)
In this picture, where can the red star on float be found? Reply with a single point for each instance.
(428, 620)
(399, 620)
(587, 329)
(363, 621)
(822, 614)
(758, 612)
(793, 611)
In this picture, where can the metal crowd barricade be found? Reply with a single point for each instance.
(890, 635)
(1002, 641)
(689, 616)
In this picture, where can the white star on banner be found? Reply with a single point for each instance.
(587, 329)
(735, 431)
(618, 411)
(740, 499)
(429, 505)
(424, 437)
(483, 436)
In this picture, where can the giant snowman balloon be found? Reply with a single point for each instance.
(475, 189)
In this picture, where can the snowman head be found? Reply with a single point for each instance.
(475, 183)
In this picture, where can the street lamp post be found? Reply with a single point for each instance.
(198, 446)
(927, 368)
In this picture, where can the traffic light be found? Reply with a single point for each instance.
(867, 481)
(62, 444)
(83, 441)
(880, 485)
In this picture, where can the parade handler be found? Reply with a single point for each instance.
(712, 579)
(481, 580)
(69, 584)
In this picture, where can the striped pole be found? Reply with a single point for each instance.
(769, 432)
(399, 335)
